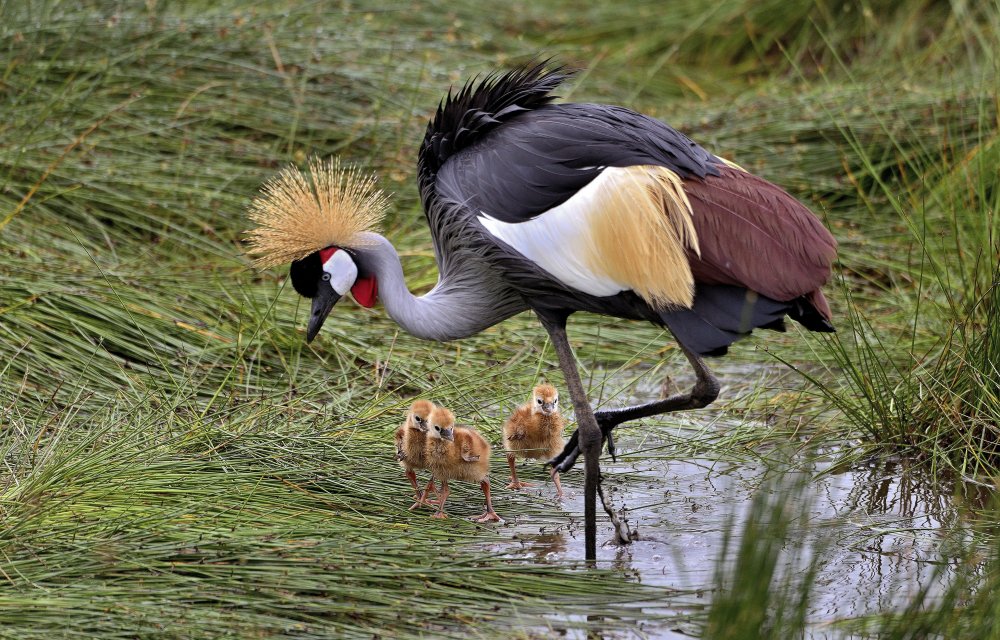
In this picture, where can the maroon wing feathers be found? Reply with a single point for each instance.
(754, 234)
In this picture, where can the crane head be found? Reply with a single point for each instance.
(325, 276)
(318, 221)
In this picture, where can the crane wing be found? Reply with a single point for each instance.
(561, 184)
(541, 158)
(755, 235)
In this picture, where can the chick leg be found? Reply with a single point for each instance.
(442, 496)
(514, 482)
(490, 515)
(411, 475)
(421, 498)
(428, 490)
(555, 478)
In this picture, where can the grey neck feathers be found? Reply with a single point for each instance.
(461, 304)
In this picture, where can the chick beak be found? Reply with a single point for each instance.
(547, 408)
(325, 298)
(448, 434)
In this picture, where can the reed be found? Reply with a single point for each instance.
(176, 462)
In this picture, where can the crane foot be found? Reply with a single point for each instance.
(566, 459)
(623, 535)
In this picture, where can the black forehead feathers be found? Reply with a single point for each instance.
(305, 274)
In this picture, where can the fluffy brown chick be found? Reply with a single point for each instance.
(457, 453)
(411, 447)
(535, 431)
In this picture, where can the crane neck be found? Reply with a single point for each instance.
(458, 306)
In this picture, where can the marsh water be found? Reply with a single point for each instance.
(878, 530)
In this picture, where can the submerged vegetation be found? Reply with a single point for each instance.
(176, 462)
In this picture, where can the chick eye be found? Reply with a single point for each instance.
(538, 400)
(418, 419)
(325, 277)
(437, 428)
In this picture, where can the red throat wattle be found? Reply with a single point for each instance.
(365, 289)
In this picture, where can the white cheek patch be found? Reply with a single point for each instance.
(343, 272)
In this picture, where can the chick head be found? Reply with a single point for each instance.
(441, 424)
(419, 414)
(545, 400)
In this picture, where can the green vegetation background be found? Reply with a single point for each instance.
(177, 463)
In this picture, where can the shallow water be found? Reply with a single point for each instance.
(877, 529)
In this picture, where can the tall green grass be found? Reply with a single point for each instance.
(174, 461)
(927, 380)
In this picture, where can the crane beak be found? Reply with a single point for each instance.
(325, 298)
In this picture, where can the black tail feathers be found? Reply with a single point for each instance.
(723, 314)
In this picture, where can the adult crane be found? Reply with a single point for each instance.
(560, 208)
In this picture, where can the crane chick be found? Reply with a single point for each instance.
(535, 431)
(456, 453)
(411, 447)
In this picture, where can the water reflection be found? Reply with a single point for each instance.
(880, 531)
(543, 547)
(897, 485)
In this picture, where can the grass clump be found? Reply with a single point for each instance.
(176, 462)
(918, 353)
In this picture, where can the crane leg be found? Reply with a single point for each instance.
(588, 433)
(703, 393)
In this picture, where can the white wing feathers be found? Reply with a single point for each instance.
(629, 228)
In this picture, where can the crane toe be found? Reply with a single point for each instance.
(566, 459)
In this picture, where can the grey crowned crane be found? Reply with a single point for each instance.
(560, 208)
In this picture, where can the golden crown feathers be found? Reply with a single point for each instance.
(298, 214)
